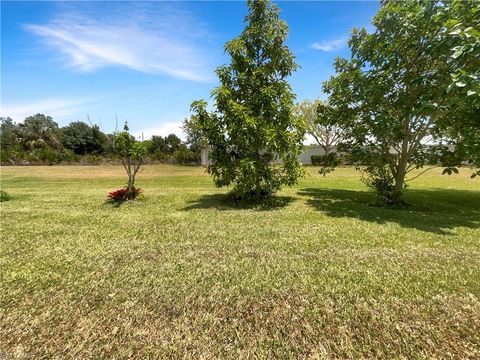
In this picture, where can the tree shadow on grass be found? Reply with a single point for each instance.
(223, 202)
(434, 210)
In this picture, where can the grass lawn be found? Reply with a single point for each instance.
(322, 275)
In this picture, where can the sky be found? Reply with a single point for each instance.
(145, 62)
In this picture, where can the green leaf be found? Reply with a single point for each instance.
(457, 53)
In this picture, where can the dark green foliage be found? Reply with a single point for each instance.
(392, 95)
(157, 147)
(317, 159)
(8, 133)
(36, 140)
(186, 156)
(39, 141)
(4, 196)
(253, 123)
(382, 181)
(173, 143)
(9, 138)
(39, 131)
(83, 139)
(196, 139)
(327, 162)
(163, 148)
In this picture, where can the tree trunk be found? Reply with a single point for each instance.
(400, 180)
(327, 150)
(131, 184)
(258, 189)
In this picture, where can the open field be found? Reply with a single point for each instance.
(322, 275)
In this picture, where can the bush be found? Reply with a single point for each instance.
(327, 162)
(186, 156)
(382, 181)
(120, 195)
(4, 196)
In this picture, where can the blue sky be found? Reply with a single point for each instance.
(147, 61)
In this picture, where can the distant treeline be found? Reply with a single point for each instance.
(39, 140)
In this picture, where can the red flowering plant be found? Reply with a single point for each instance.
(132, 153)
(123, 194)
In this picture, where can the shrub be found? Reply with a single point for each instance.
(382, 181)
(185, 156)
(327, 162)
(123, 194)
(4, 196)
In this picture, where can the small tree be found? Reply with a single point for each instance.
(195, 137)
(321, 125)
(131, 153)
(254, 121)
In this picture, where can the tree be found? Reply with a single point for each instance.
(9, 138)
(458, 44)
(387, 95)
(195, 136)
(132, 154)
(82, 138)
(318, 117)
(40, 131)
(8, 133)
(173, 143)
(157, 146)
(253, 121)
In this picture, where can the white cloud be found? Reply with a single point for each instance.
(330, 45)
(52, 106)
(157, 42)
(163, 129)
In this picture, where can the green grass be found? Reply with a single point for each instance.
(322, 275)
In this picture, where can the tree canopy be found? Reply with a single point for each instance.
(394, 95)
(82, 138)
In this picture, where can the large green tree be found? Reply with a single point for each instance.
(82, 138)
(458, 45)
(253, 122)
(392, 95)
(38, 131)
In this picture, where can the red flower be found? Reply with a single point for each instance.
(123, 194)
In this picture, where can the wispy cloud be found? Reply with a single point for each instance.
(54, 106)
(330, 45)
(163, 129)
(162, 41)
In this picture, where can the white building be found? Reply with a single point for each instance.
(304, 157)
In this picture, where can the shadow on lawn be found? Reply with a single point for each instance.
(223, 202)
(435, 210)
